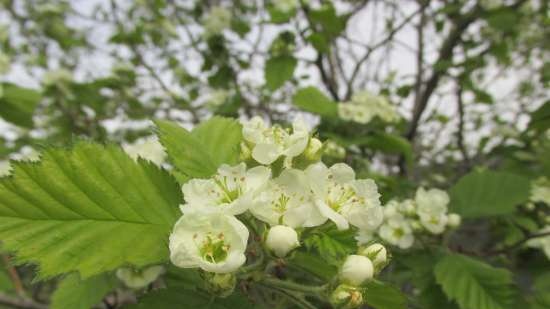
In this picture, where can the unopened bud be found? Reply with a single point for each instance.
(356, 270)
(139, 278)
(314, 149)
(454, 220)
(346, 297)
(281, 240)
(377, 254)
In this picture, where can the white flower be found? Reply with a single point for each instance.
(356, 270)
(364, 106)
(342, 198)
(285, 6)
(139, 278)
(397, 231)
(218, 97)
(541, 242)
(434, 223)
(454, 220)
(218, 19)
(432, 209)
(281, 240)
(148, 148)
(269, 143)
(540, 190)
(377, 254)
(231, 191)
(213, 242)
(287, 200)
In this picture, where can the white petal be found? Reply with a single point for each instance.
(257, 177)
(338, 219)
(317, 177)
(342, 173)
(266, 153)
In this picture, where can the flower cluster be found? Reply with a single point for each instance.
(364, 106)
(274, 189)
(427, 212)
(217, 20)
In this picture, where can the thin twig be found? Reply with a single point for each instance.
(19, 302)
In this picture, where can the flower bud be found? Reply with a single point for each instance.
(346, 297)
(356, 270)
(281, 240)
(218, 284)
(314, 149)
(377, 254)
(453, 220)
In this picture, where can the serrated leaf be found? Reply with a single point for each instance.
(189, 299)
(488, 193)
(380, 295)
(90, 209)
(199, 153)
(474, 284)
(17, 104)
(313, 264)
(82, 294)
(314, 101)
(332, 245)
(278, 70)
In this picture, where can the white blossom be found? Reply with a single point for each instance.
(231, 191)
(432, 209)
(281, 240)
(540, 190)
(148, 148)
(542, 242)
(287, 200)
(364, 106)
(285, 6)
(213, 242)
(218, 19)
(454, 220)
(139, 278)
(356, 270)
(270, 143)
(397, 231)
(342, 198)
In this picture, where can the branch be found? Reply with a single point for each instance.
(517, 244)
(17, 302)
(460, 131)
(14, 276)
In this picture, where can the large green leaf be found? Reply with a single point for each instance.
(380, 295)
(488, 193)
(474, 284)
(314, 101)
(90, 209)
(541, 291)
(278, 70)
(172, 298)
(200, 152)
(17, 104)
(82, 294)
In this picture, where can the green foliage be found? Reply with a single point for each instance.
(63, 212)
(314, 101)
(540, 118)
(474, 284)
(541, 291)
(82, 294)
(278, 70)
(380, 295)
(332, 245)
(200, 152)
(487, 193)
(189, 299)
(17, 104)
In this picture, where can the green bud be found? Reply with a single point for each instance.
(347, 297)
(221, 285)
(246, 153)
(314, 150)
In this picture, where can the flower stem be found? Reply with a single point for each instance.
(292, 286)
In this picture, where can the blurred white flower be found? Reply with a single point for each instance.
(139, 278)
(397, 231)
(356, 270)
(231, 191)
(213, 242)
(540, 190)
(148, 148)
(542, 243)
(281, 240)
(342, 198)
(454, 220)
(432, 209)
(364, 106)
(217, 20)
(269, 143)
(217, 98)
(285, 6)
(287, 200)
(55, 77)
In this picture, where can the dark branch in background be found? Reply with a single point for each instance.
(460, 129)
(18, 302)
(517, 244)
(445, 54)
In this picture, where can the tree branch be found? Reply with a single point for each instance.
(18, 302)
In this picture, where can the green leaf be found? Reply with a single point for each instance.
(540, 118)
(17, 104)
(541, 291)
(487, 193)
(380, 295)
(91, 209)
(313, 264)
(474, 284)
(278, 70)
(82, 294)
(189, 299)
(199, 153)
(314, 101)
(333, 245)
